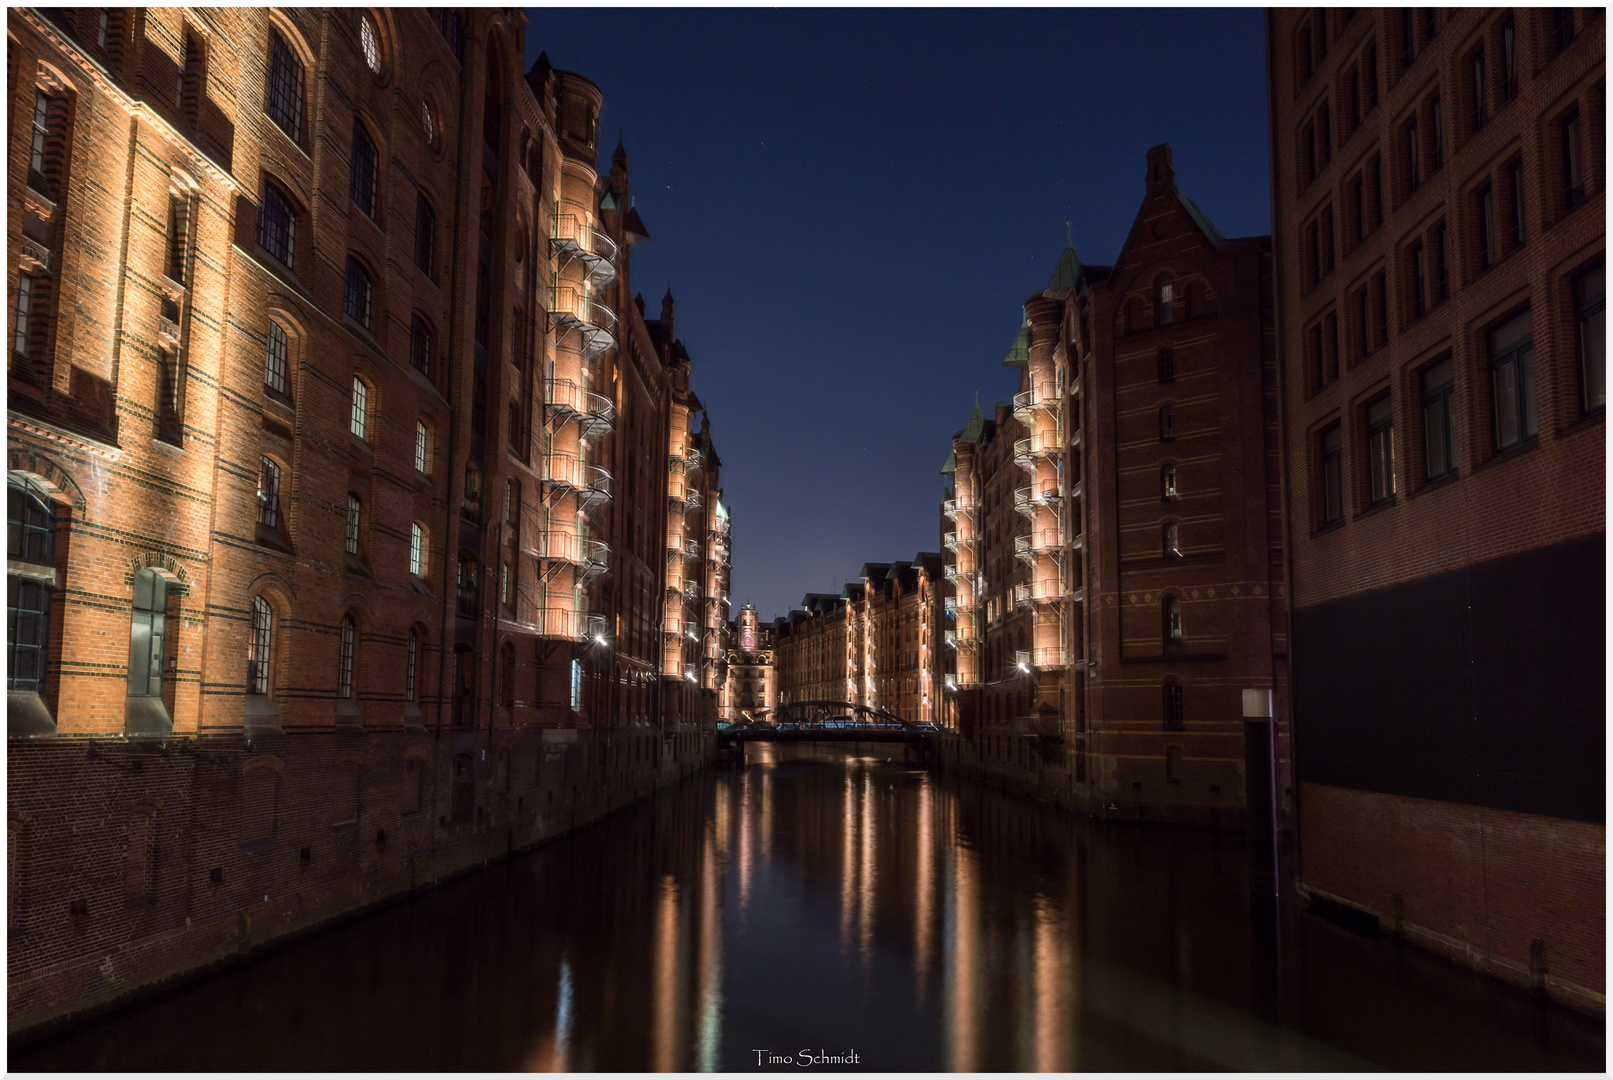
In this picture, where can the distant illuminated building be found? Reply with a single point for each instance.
(751, 689)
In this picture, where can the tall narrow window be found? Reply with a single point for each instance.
(1413, 156)
(285, 87)
(275, 359)
(1355, 98)
(467, 594)
(31, 553)
(1573, 166)
(1562, 20)
(277, 225)
(147, 630)
(39, 140)
(1481, 92)
(410, 661)
(102, 29)
(504, 584)
(178, 236)
(1318, 361)
(1509, 60)
(1515, 198)
(1419, 280)
(1173, 706)
(366, 169)
(1167, 365)
(25, 309)
(268, 493)
(1167, 424)
(576, 685)
(356, 297)
(1358, 196)
(417, 550)
(1408, 34)
(1439, 420)
(420, 345)
(355, 523)
(1442, 265)
(1168, 481)
(1486, 213)
(1363, 322)
(472, 506)
(1590, 335)
(344, 659)
(360, 421)
(1167, 301)
(1380, 451)
(422, 448)
(1512, 382)
(425, 234)
(257, 647)
(1173, 619)
(1172, 539)
(1436, 130)
(1377, 191)
(1332, 455)
(370, 42)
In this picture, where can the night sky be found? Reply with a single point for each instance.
(852, 206)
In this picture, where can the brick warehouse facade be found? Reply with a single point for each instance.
(1114, 544)
(751, 688)
(338, 464)
(1438, 199)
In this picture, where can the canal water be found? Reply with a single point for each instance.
(833, 902)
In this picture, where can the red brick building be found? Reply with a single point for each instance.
(752, 686)
(1438, 193)
(334, 441)
(1118, 549)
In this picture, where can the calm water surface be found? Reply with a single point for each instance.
(835, 902)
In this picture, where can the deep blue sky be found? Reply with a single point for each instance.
(852, 206)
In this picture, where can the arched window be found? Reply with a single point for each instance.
(277, 358)
(370, 41)
(428, 122)
(425, 234)
(1166, 300)
(1173, 619)
(355, 523)
(1167, 365)
(420, 346)
(147, 633)
(277, 224)
(364, 181)
(1167, 481)
(422, 448)
(417, 549)
(31, 555)
(284, 100)
(1173, 540)
(1173, 706)
(1167, 423)
(344, 659)
(268, 494)
(360, 422)
(358, 293)
(257, 647)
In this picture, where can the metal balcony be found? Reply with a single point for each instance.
(950, 540)
(691, 549)
(574, 239)
(1028, 451)
(694, 462)
(691, 590)
(1022, 595)
(951, 573)
(950, 637)
(950, 603)
(571, 308)
(1048, 656)
(595, 560)
(692, 500)
(1045, 541)
(565, 399)
(595, 627)
(675, 505)
(1022, 548)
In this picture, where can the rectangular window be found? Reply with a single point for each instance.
(1512, 383)
(1442, 267)
(1377, 191)
(1590, 332)
(1358, 197)
(268, 493)
(1419, 281)
(1168, 477)
(1380, 451)
(1317, 359)
(1369, 77)
(27, 633)
(344, 661)
(1331, 446)
(178, 236)
(417, 550)
(576, 685)
(1486, 213)
(1413, 157)
(1509, 60)
(102, 28)
(25, 309)
(356, 296)
(1573, 170)
(285, 87)
(504, 584)
(1481, 92)
(355, 514)
(1563, 27)
(1355, 98)
(1330, 359)
(38, 141)
(360, 422)
(422, 449)
(1515, 199)
(1363, 322)
(1436, 130)
(425, 232)
(276, 358)
(1439, 420)
(366, 167)
(277, 225)
(420, 346)
(1167, 424)
(1408, 34)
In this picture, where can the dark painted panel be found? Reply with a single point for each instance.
(1408, 691)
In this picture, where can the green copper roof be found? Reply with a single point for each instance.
(951, 465)
(975, 429)
(1065, 274)
(1019, 353)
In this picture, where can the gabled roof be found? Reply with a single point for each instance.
(874, 570)
(928, 561)
(633, 226)
(1162, 175)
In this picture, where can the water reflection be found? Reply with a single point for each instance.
(835, 901)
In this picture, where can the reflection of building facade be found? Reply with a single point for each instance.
(1113, 555)
(872, 646)
(751, 689)
(331, 419)
(1441, 319)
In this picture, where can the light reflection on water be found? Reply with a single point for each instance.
(824, 900)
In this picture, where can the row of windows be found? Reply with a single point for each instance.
(1513, 407)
